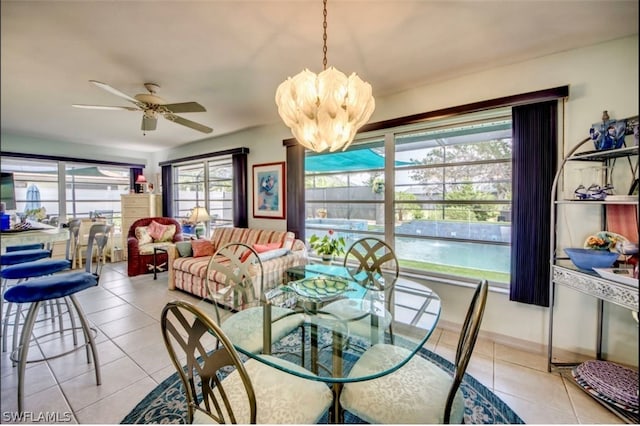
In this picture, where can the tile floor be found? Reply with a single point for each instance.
(126, 312)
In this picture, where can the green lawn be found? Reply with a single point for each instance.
(500, 277)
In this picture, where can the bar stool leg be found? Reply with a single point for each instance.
(88, 335)
(5, 326)
(16, 325)
(73, 321)
(23, 350)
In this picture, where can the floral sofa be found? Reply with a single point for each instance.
(188, 272)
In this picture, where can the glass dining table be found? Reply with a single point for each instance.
(340, 320)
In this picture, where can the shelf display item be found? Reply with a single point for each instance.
(604, 240)
(610, 382)
(587, 259)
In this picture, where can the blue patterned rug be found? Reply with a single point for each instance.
(166, 403)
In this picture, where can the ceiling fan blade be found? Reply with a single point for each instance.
(127, 108)
(148, 123)
(116, 92)
(188, 123)
(185, 107)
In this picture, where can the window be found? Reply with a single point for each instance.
(430, 190)
(94, 191)
(88, 190)
(205, 183)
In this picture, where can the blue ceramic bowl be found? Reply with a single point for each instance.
(588, 259)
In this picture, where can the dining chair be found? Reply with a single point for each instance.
(85, 226)
(372, 263)
(220, 388)
(419, 391)
(36, 291)
(239, 303)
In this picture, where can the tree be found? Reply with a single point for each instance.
(406, 211)
(496, 177)
(469, 211)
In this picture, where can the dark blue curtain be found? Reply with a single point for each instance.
(167, 191)
(240, 194)
(535, 144)
(133, 176)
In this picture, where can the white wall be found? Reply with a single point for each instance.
(38, 146)
(600, 77)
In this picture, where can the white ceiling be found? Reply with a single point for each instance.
(230, 56)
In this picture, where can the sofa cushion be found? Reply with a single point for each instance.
(202, 248)
(147, 249)
(160, 232)
(143, 236)
(184, 248)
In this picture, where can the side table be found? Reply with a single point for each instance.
(156, 268)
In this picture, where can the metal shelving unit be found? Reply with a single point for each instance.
(602, 289)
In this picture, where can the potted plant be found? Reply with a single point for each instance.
(328, 246)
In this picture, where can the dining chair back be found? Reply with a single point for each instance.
(234, 282)
(467, 341)
(83, 236)
(219, 387)
(435, 395)
(234, 277)
(372, 263)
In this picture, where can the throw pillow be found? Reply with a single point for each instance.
(202, 248)
(143, 236)
(160, 232)
(184, 248)
(168, 234)
(261, 248)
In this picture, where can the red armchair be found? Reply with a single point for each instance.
(142, 263)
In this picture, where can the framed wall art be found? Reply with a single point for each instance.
(269, 196)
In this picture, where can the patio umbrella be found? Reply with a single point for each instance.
(33, 198)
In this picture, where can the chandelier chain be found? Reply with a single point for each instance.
(324, 35)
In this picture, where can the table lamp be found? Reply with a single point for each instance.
(198, 216)
(141, 182)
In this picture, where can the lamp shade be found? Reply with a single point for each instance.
(141, 179)
(199, 214)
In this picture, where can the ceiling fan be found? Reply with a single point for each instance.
(152, 105)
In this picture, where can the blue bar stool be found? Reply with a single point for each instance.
(39, 268)
(16, 255)
(38, 290)
(24, 253)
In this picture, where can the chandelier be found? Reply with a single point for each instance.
(324, 111)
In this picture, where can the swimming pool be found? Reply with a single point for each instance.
(480, 256)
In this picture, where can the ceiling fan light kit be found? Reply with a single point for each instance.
(151, 106)
(324, 111)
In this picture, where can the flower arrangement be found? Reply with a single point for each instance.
(328, 245)
(601, 241)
